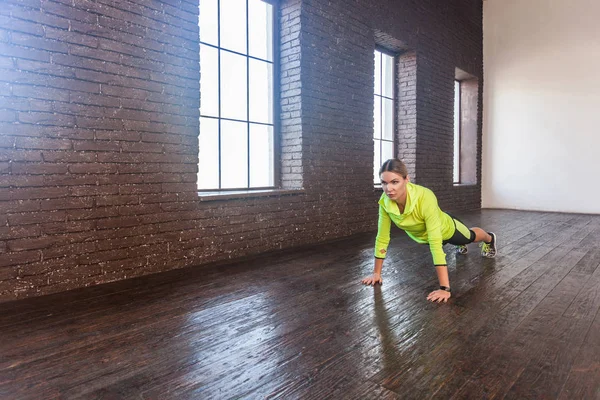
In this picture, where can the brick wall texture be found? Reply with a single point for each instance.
(99, 122)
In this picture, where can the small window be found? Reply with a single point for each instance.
(237, 87)
(384, 111)
(466, 99)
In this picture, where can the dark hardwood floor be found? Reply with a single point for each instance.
(298, 324)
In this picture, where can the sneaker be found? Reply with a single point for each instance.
(462, 249)
(488, 250)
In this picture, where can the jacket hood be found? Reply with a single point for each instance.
(391, 207)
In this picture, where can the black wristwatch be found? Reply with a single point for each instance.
(445, 288)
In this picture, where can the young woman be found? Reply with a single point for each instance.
(415, 210)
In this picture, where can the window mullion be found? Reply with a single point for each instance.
(219, 86)
(247, 95)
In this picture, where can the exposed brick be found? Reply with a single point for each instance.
(118, 135)
(142, 147)
(93, 145)
(11, 50)
(140, 189)
(98, 190)
(32, 243)
(35, 15)
(68, 251)
(68, 156)
(116, 200)
(92, 168)
(19, 155)
(109, 90)
(19, 168)
(6, 63)
(19, 206)
(36, 42)
(67, 204)
(20, 258)
(54, 228)
(31, 78)
(17, 25)
(68, 12)
(7, 141)
(71, 37)
(99, 123)
(33, 193)
(26, 105)
(94, 99)
(94, 213)
(43, 144)
(38, 92)
(36, 217)
(7, 116)
(17, 232)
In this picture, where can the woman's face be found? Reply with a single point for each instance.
(394, 185)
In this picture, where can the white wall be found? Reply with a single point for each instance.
(541, 119)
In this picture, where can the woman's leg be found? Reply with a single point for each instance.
(463, 236)
(488, 247)
(481, 235)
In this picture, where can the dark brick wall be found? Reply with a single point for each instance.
(99, 122)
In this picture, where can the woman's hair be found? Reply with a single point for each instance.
(394, 165)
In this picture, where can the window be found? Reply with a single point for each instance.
(383, 115)
(237, 88)
(456, 178)
(466, 100)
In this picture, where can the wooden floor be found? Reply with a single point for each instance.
(298, 324)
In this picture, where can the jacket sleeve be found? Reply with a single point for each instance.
(433, 224)
(383, 233)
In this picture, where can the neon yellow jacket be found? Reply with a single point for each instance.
(423, 221)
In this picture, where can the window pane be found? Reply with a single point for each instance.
(377, 162)
(233, 25)
(261, 155)
(377, 118)
(387, 151)
(234, 154)
(260, 29)
(456, 172)
(209, 81)
(388, 119)
(377, 72)
(208, 22)
(387, 75)
(261, 91)
(233, 86)
(208, 166)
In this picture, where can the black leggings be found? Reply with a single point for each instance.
(462, 235)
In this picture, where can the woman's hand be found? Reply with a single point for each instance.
(439, 296)
(373, 279)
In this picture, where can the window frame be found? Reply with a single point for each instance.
(394, 98)
(276, 120)
(457, 132)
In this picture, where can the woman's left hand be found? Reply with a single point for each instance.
(439, 296)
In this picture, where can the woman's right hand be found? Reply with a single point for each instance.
(373, 279)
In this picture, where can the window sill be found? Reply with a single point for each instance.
(243, 194)
(464, 184)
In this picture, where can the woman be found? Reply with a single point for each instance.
(415, 210)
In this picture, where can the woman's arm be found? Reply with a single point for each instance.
(440, 294)
(376, 276)
(384, 225)
(381, 244)
(433, 225)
